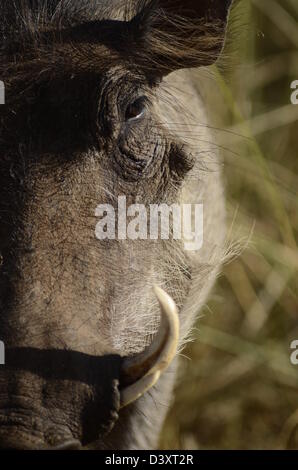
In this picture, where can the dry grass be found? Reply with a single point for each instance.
(239, 390)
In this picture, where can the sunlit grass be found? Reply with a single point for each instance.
(239, 390)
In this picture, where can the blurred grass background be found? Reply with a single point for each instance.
(239, 390)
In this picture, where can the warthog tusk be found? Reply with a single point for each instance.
(140, 372)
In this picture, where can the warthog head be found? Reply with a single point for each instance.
(97, 107)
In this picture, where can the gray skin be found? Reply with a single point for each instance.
(72, 306)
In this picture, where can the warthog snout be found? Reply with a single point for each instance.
(43, 388)
(51, 398)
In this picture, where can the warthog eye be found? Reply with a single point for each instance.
(136, 110)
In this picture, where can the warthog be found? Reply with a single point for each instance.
(99, 104)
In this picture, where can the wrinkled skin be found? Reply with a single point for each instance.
(72, 306)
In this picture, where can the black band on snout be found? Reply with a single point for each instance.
(80, 391)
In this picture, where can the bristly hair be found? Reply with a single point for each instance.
(143, 18)
(156, 37)
(170, 41)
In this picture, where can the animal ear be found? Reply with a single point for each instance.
(175, 34)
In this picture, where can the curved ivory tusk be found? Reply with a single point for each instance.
(141, 371)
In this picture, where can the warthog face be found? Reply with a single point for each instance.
(93, 112)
